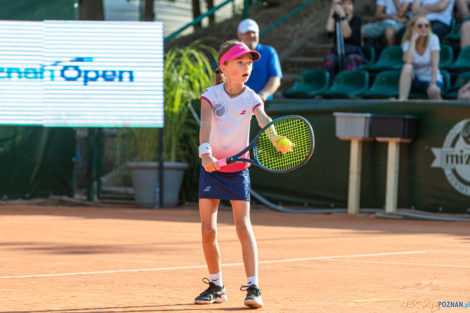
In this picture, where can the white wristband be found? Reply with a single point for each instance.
(205, 148)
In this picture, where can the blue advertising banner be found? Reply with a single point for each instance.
(81, 73)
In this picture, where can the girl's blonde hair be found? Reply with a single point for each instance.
(224, 48)
(409, 30)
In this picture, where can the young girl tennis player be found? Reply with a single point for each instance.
(226, 111)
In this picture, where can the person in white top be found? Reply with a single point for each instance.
(463, 9)
(392, 15)
(439, 12)
(226, 112)
(421, 50)
(465, 34)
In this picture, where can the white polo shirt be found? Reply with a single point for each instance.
(230, 123)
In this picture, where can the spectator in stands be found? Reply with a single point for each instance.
(351, 29)
(464, 92)
(266, 75)
(439, 12)
(392, 15)
(462, 8)
(465, 35)
(421, 56)
(464, 15)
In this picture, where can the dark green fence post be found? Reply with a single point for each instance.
(76, 5)
(245, 8)
(91, 165)
(99, 161)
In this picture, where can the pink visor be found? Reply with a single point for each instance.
(237, 51)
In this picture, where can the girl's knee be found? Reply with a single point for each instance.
(407, 68)
(434, 93)
(243, 229)
(209, 234)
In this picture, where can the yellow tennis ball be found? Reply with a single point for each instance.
(284, 145)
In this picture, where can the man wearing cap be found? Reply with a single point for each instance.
(266, 76)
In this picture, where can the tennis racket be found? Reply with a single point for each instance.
(300, 138)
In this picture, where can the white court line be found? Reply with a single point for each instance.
(223, 265)
(404, 263)
(448, 251)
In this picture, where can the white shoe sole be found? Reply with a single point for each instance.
(253, 304)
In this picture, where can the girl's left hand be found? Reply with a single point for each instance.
(283, 145)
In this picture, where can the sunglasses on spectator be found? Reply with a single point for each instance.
(420, 26)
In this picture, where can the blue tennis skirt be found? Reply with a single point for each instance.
(224, 186)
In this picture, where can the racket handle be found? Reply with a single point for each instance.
(221, 162)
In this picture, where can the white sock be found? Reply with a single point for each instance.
(216, 279)
(252, 280)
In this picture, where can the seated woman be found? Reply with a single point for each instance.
(421, 56)
(463, 10)
(351, 28)
(465, 35)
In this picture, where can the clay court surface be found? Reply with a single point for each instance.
(82, 260)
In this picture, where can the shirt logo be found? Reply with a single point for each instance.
(207, 189)
(219, 109)
(243, 112)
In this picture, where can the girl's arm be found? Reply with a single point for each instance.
(261, 116)
(208, 161)
(435, 65)
(346, 29)
(263, 120)
(330, 23)
(410, 53)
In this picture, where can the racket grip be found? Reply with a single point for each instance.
(221, 162)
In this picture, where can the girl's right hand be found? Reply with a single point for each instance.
(209, 163)
(414, 35)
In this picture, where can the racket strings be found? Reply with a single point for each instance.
(298, 131)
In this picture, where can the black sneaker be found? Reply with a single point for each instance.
(212, 294)
(253, 296)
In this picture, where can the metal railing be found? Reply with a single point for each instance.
(285, 17)
(245, 15)
(200, 18)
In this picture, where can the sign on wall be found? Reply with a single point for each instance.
(81, 73)
(454, 157)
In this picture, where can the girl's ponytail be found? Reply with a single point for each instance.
(219, 77)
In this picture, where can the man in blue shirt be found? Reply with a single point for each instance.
(266, 76)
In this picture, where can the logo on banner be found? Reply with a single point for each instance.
(454, 157)
(71, 71)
